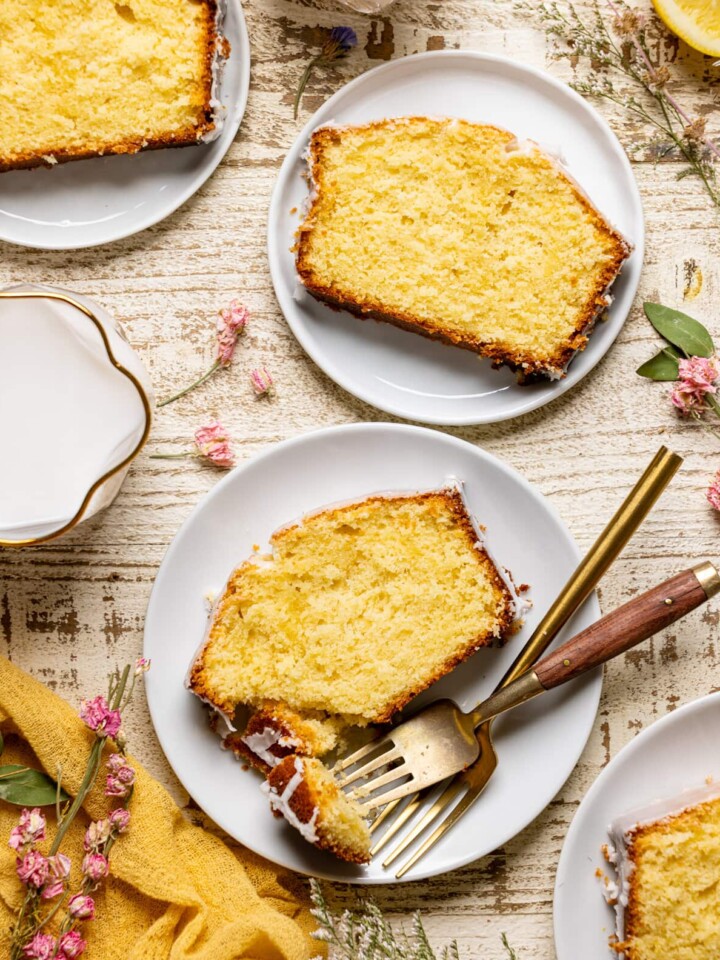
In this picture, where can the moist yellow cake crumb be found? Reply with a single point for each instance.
(358, 609)
(83, 78)
(456, 231)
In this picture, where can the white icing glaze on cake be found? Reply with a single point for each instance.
(219, 111)
(260, 744)
(281, 803)
(616, 891)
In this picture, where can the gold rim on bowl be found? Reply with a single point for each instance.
(75, 520)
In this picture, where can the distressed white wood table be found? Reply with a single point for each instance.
(71, 611)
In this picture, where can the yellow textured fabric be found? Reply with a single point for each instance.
(176, 892)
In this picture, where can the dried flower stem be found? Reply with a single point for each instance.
(197, 383)
(27, 940)
(303, 83)
(367, 935)
(92, 768)
(596, 44)
(652, 72)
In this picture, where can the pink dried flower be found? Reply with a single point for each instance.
(52, 889)
(29, 830)
(33, 869)
(99, 717)
(71, 945)
(685, 398)
(263, 383)
(232, 320)
(117, 786)
(95, 867)
(700, 373)
(41, 947)
(120, 820)
(59, 866)
(121, 777)
(117, 762)
(96, 835)
(697, 378)
(713, 492)
(142, 665)
(81, 907)
(213, 443)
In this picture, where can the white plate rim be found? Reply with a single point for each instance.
(594, 691)
(623, 756)
(275, 242)
(204, 172)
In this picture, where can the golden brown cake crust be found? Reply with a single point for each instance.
(304, 802)
(526, 366)
(196, 677)
(633, 908)
(192, 134)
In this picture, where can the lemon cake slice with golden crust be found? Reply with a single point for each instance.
(358, 609)
(667, 861)
(84, 78)
(456, 231)
(303, 791)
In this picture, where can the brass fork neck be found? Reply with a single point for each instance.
(524, 688)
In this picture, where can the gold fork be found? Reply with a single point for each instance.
(470, 783)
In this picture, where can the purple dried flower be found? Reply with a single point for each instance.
(338, 45)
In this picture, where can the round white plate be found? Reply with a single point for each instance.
(675, 753)
(89, 202)
(538, 744)
(403, 373)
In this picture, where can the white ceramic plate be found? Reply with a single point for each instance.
(89, 202)
(675, 753)
(538, 744)
(403, 373)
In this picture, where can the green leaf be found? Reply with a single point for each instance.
(664, 366)
(679, 329)
(28, 788)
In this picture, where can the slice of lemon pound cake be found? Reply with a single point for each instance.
(83, 78)
(358, 609)
(457, 231)
(667, 860)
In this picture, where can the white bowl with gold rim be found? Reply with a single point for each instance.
(75, 410)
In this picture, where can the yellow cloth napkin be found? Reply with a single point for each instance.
(175, 892)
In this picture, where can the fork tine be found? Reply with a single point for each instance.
(382, 817)
(402, 818)
(365, 789)
(449, 794)
(399, 793)
(441, 829)
(360, 754)
(369, 767)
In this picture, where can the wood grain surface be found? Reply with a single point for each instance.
(71, 611)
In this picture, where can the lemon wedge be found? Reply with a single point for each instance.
(697, 22)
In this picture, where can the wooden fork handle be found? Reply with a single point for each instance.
(629, 625)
